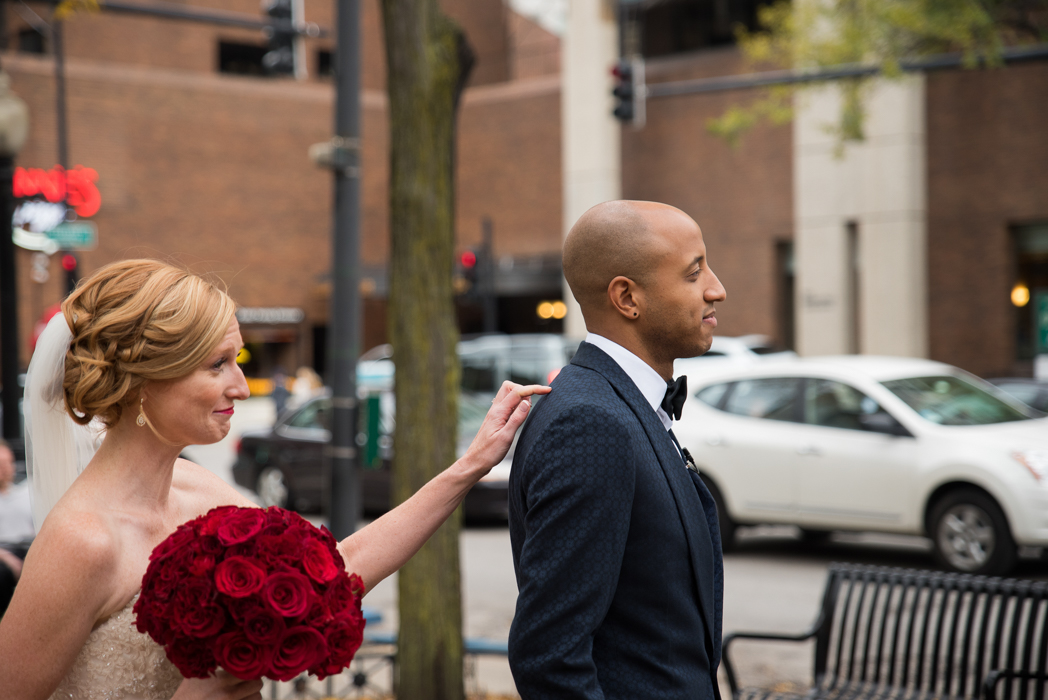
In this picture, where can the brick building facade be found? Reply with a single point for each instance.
(209, 168)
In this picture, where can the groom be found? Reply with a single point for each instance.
(615, 539)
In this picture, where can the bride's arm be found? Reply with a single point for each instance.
(386, 544)
(66, 585)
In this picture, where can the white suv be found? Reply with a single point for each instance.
(873, 444)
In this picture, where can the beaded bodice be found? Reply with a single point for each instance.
(118, 662)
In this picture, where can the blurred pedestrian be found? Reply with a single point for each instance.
(280, 391)
(307, 383)
(16, 525)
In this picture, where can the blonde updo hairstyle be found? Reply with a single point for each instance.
(133, 322)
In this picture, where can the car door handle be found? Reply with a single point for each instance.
(809, 450)
(716, 441)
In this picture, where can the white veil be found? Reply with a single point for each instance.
(56, 447)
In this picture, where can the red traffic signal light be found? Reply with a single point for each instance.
(68, 262)
(468, 259)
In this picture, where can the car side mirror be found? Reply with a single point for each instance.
(883, 422)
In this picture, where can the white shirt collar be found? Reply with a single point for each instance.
(651, 384)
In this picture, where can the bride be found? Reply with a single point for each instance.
(149, 352)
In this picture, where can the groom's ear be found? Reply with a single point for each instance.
(625, 296)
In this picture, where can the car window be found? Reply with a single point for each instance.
(951, 400)
(772, 398)
(526, 370)
(478, 374)
(836, 405)
(1027, 393)
(472, 410)
(712, 395)
(316, 414)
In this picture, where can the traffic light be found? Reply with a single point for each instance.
(629, 91)
(623, 91)
(280, 59)
(72, 276)
(468, 261)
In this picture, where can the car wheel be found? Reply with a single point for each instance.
(271, 488)
(970, 534)
(727, 525)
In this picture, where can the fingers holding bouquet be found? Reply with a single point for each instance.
(221, 686)
(508, 410)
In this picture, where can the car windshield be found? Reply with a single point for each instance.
(950, 400)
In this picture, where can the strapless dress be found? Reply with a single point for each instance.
(118, 662)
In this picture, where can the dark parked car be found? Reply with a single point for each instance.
(285, 465)
(1032, 392)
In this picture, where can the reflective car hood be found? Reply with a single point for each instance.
(1015, 435)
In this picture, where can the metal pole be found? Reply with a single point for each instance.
(57, 45)
(8, 306)
(345, 321)
(486, 263)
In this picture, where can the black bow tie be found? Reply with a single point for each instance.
(676, 395)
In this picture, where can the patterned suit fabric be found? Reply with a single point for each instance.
(615, 545)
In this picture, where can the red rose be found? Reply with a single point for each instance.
(239, 577)
(299, 648)
(343, 639)
(264, 627)
(277, 549)
(202, 565)
(202, 621)
(192, 658)
(176, 541)
(241, 657)
(242, 609)
(208, 524)
(240, 526)
(317, 562)
(288, 593)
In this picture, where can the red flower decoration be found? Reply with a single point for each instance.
(257, 592)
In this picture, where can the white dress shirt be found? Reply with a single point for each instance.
(650, 382)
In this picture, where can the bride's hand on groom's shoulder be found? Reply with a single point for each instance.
(508, 410)
(222, 686)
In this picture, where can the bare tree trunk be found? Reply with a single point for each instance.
(427, 60)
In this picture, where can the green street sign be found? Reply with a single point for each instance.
(75, 235)
(1040, 320)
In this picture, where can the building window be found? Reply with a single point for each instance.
(1029, 294)
(325, 63)
(241, 59)
(679, 26)
(31, 41)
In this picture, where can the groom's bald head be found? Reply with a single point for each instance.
(610, 240)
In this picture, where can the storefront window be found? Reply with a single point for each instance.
(1029, 294)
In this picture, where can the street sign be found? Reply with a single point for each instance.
(1040, 320)
(75, 235)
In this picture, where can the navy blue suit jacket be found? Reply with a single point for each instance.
(615, 545)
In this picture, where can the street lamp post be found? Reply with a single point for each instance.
(14, 127)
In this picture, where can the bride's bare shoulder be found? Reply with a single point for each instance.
(74, 538)
(203, 490)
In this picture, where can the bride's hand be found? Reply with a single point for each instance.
(508, 410)
(222, 686)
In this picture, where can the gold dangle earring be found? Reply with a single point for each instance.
(141, 420)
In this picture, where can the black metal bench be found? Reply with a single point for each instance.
(897, 633)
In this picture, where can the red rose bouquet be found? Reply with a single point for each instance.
(257, 592)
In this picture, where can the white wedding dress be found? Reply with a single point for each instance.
(120, 663)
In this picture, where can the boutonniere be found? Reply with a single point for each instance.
(689, 462)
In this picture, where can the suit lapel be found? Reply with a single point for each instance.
(689, 506)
